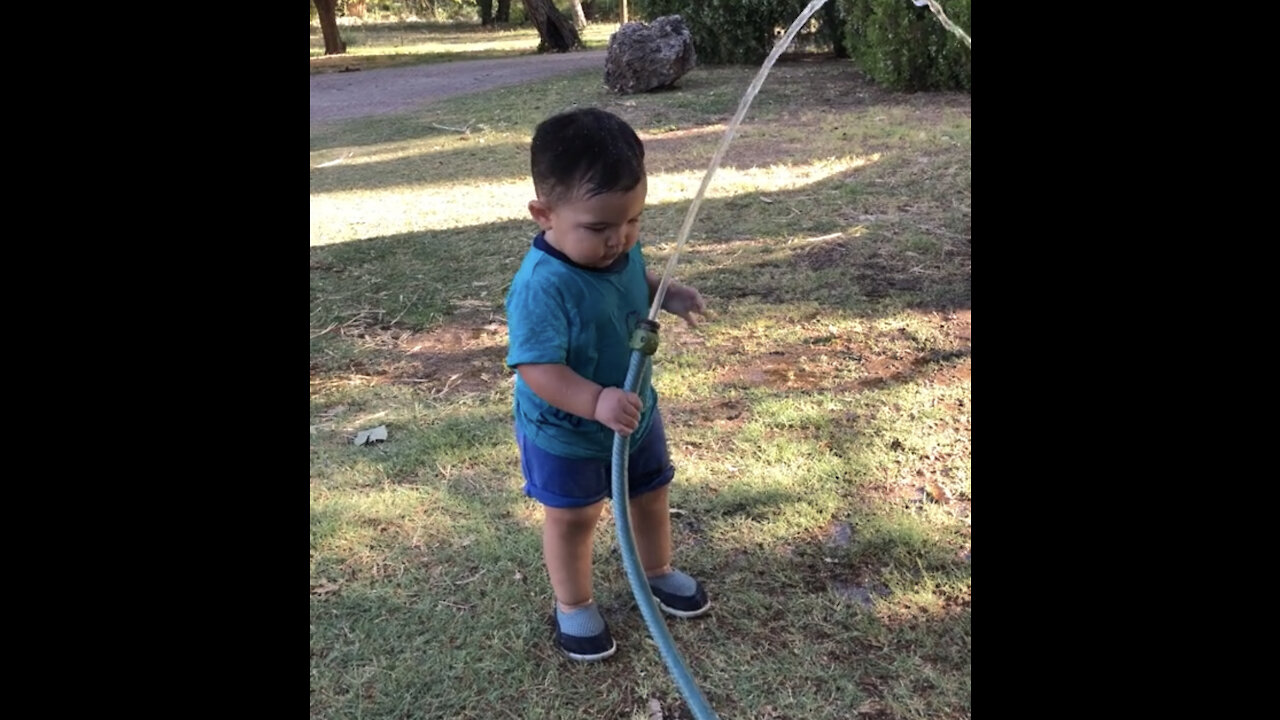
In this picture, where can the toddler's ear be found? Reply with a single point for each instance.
(541, 213)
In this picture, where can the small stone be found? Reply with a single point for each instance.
(841, 534)
(860, 594)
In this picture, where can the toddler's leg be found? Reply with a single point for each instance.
(567, 538)
(651, 518)
(677, 593)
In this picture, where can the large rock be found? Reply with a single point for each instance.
(646, 57)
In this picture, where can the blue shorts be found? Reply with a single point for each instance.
(562, 482)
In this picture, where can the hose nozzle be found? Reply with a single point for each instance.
(645, 337)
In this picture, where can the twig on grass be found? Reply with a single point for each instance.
(470, 579)
(464, 130)
(334, 162)
(820, 238)
(406, 308)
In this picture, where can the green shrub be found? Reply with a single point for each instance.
(905, 47)
(728, 31)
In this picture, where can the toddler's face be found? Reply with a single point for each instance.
(595, 231)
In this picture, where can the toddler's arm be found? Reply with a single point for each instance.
(681, 300)
(565, 389)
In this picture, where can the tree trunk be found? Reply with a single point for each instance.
(624, 12)
(486, 12)
(579, 20)
(835, 28)
(557, 33)
(504, 11)
(333, 44)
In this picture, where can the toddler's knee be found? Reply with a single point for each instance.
(580, 519)
(653, 498)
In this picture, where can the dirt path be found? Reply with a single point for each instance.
(342, 96)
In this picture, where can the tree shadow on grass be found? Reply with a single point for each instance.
(376, 298)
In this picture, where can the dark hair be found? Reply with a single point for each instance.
(584, 153)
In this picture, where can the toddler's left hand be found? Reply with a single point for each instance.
(684, 301)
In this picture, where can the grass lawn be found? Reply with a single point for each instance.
(820, 424)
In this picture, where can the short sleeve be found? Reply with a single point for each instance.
(537, 325)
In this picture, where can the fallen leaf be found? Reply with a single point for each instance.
(372, 435)
(333, 411)
(868, 707)
(655, 709)
(324, 588)
(936, 491)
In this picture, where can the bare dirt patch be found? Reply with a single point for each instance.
(457, 357)
(804, 365)
(465, 355)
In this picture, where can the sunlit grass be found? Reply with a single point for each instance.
(819, 422)
(351, 215)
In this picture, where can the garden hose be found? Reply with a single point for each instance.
(644, 342)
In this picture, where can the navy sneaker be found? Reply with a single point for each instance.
(682, 606)
(584, 649)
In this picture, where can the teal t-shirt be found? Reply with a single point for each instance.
(561, 312)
